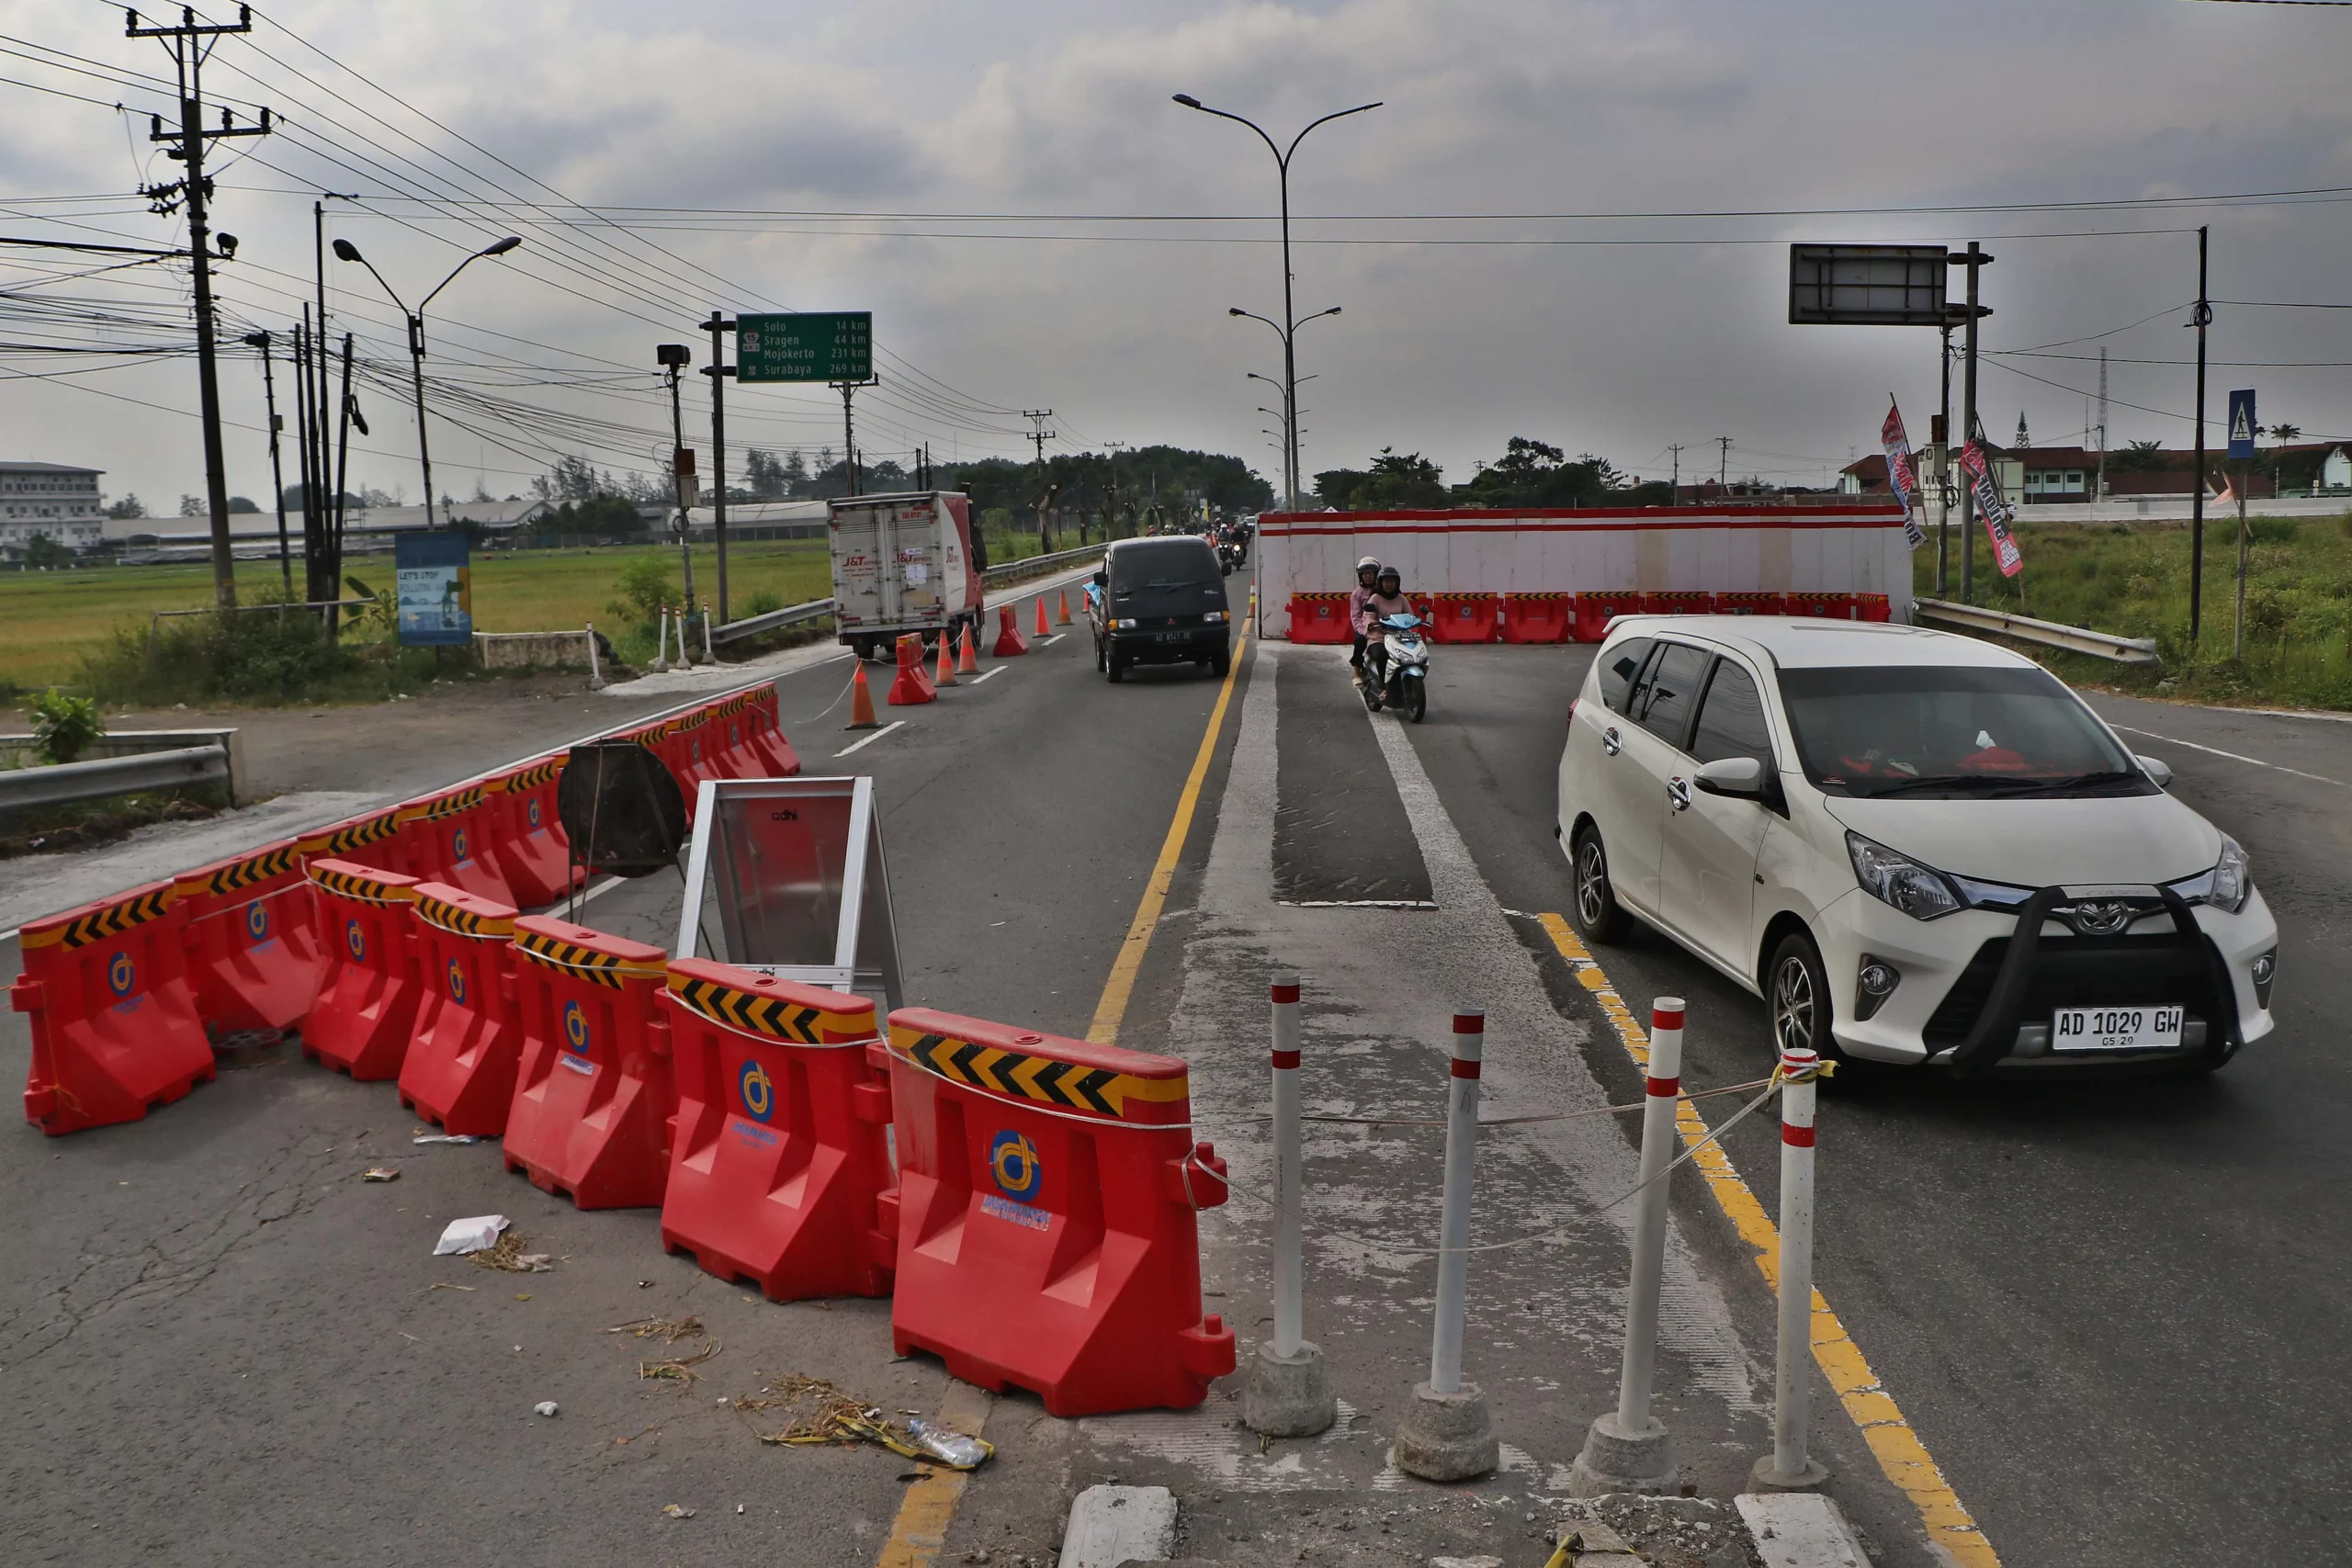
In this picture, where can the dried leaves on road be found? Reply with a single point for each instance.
(507, 1253)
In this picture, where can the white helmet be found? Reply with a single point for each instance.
(1369, 562)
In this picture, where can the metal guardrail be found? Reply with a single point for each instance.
(793, 615)
(21, 787)
(2050, 634)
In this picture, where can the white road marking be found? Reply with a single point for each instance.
(2233, 756)
(988, 674)
(854, 745)
(602, 888)
(1053, 639)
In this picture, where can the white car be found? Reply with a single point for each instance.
(1914, 846)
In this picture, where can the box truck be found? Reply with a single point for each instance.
(903, 563)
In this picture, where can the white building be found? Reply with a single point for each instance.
(55, 499)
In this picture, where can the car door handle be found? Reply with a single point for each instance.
(1678, 794)
(1610, 742)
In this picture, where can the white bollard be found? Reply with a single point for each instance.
(1630, 1450)
(709, 657)
(662, 642)
(1788, 1467)
(1448, 1434)
(595, 671)
(1289, 1393)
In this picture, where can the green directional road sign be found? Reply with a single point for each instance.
(810, 345)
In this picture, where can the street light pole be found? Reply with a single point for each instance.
(277, 474)
(1289, 390)
(1290, 358)
(346, 250)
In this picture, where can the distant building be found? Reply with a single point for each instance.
(253, 535)
(55, 499)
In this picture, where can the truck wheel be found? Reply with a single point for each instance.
(1100, 661)
(1115, 667)
(1220, 664)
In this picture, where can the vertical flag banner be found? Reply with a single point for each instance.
(1986, 486)
(1902, 476)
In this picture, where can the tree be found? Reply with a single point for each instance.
(44, 554)
(195, 506)
(1394, 482)
(1536, 473)
(242, 503)
(2140, 458)
(571, 479)
(129, 506)
(774, 480)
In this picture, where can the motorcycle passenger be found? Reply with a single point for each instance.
(1367, 583)
(1387, 598)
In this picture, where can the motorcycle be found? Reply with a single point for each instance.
(1404, 683)
(1229, 557)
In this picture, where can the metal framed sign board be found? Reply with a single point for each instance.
(434, 584)
(809, 346)
(2242, 430)
(1868, 286)
(786, 878)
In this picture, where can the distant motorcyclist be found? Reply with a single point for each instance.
(1386, 598)
(1367, 582)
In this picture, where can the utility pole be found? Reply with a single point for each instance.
(1039, 435)
(191, 44)
(277, 474)
(2100, 493)
(2202, 319)
(342, 477)
(324, 582)
(1674, 491)
(1941, 432)
(1976, 260)
(674, 357)
(849, 430)
(1722, 463)
(304, 438)
(718, 370)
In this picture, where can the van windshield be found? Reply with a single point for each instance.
(1160, 564)
(1935, 731)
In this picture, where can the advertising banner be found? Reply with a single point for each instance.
(1902, 475)
(436, 590)
(1985, 485)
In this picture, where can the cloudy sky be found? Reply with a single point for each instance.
(1034, 224)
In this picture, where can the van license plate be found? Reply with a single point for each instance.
(2116, 1029)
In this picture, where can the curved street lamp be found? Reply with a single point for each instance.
(346, 250)
(1282, 168)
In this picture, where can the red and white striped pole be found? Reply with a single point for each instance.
(1789, 1467)
(1289, 1392)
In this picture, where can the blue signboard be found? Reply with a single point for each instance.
(435, 589)
(2242, 430)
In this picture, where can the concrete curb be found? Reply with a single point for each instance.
(1800, 1529)
(1112, 1524)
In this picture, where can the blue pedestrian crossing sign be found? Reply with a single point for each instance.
(2243, 429)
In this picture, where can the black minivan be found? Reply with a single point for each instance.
(1160, 601)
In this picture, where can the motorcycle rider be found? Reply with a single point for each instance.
(1367, 583)
(1386, 598)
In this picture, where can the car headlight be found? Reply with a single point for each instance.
(1213, 615)
(1124, 624)
(2225, 887)
(1919, 891)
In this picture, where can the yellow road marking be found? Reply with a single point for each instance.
(1113, 1008)
(919, 1532)
(1898, 1448)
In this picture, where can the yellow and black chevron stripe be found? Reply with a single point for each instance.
(360, 889)
(345, 837)
(525, 778)
(458, 920)
(774, 1017)
(434, 807)
(1048, 1080)
(602, 968)
(97, 925)
(237, 875)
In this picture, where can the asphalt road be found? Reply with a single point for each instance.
(2114, 1311)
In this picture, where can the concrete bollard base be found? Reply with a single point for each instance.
(1289, 1396)
(1615, 1460)
(1447, 1437)
(1764, 1477)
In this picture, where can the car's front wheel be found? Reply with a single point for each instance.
(1796, 990)
(1593, 908)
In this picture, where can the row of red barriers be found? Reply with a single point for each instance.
(1569, 617)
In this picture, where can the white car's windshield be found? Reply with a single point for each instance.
(1959, 731)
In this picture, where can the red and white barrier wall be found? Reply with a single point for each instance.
(1854, 550)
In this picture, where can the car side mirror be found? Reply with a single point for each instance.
(2159, 773)
(1101, 579)
(1741, 777)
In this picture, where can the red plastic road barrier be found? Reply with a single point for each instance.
(461, 1068)
(526, 839)
(114, 1026)
(1320, 617)
(595, 1094)
(734, 751)
(779, 1159)
(1874, 606)
(369, 840)
(1825, 606)
(1680, 602)
(1464, 617)
(913, 684)
(251, 939)
(1009, 641)
(776, 758)
(1593, 611)
(449, 836)
(1045, 1216)
(1744, 603)
(368, 988)
(1538, 617)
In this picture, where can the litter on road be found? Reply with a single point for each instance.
(380, 1173)
(822, 1413)
(669, 1330)
(508, 1254)
(445, 1138)
(471, 1235)
(544, 1407)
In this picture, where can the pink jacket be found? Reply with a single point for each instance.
(1373, 607)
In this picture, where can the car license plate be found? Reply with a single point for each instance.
(2116, 1029)
(1171, 636)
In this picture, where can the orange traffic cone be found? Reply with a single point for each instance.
(861, 701)
(1043, 629)
(1065, 609)
(967, 661)
(944, 675)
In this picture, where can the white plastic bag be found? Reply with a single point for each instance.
(471, 1236)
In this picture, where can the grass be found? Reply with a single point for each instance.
(2131, 579)
(50, 623)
